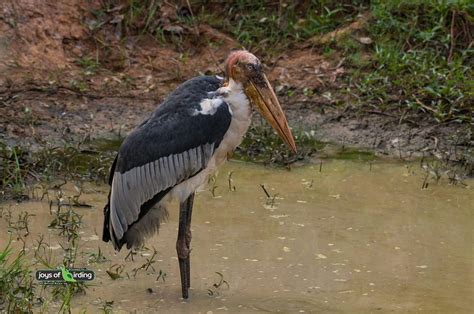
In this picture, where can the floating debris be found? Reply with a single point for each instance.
(270, 206)
(55, 247)
(321, 256)
(279, 216)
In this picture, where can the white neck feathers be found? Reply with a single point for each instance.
(234, 95)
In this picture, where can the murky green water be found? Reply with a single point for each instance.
(352, 238)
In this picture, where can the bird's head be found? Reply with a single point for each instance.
(243, 67)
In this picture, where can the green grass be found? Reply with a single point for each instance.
(12, 171)
(262, 145)
(91, 160)
(420, 59)
(20, 292)
(354, 154)
(77, 163)
(415, 64)
(89, 65)
(268, 28)
(16, 282)
(19, 166)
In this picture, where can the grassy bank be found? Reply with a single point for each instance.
(20, 167)
(406, 56)
(399, 55)
(90, 161)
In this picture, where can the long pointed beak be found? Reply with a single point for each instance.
(262, 95)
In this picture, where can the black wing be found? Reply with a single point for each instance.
(174, 144)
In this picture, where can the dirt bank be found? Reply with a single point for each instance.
(41, 117)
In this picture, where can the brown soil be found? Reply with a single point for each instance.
(46, 96)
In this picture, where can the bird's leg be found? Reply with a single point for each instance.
(183, 243)
(188, 236)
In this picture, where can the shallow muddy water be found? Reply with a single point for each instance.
(352, 238)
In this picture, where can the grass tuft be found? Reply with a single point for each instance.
(262, 144)
(16, 282)
(421, 59)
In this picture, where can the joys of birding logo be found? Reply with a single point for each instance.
(64, 275)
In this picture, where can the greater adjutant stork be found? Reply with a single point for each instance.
(174, 151)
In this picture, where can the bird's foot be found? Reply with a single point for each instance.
(185, 273)
(184, 267)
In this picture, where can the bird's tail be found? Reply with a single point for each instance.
(108, 233)
(106, 229)
(144, 228)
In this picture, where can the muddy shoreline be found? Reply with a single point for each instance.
(51, 117)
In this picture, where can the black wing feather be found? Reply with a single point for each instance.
(172, 129)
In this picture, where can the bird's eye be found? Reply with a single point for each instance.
(249, 67)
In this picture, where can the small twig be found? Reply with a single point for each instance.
(425, 183)
(453, 40)
(265, 190)
(425, 106)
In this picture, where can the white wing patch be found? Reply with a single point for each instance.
(209, 106)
